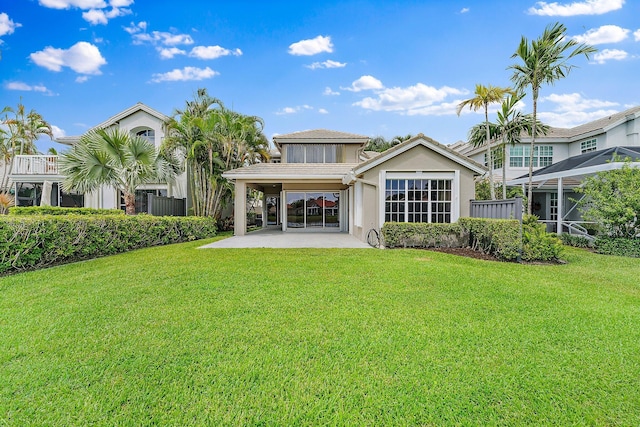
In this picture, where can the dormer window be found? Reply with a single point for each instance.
(148, 134)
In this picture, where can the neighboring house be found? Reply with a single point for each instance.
(562, 158)
(38, 175)
(326, 182)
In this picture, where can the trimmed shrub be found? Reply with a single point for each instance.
(618, 246)
(496, 236)
(576, 241)
(55, 210)
(37, 241)
(422, 235)
(537, 244)
(499, 237)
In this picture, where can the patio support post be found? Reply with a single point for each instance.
(560, 207)
(240, 209)
(264, 210)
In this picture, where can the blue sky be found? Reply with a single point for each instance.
(368, 67)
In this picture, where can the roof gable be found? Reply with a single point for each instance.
(427, 142)
(130, 111)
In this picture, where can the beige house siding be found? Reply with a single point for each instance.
(416, 159)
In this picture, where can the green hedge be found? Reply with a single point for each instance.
(31, 242)
(618, 246)
(496, 236)
(576, 241)
(499, 237)
(55, 210)
(422, 235)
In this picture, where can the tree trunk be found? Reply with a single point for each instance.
(504, 169)
(130, 203)
(532, 148)
(492, 186)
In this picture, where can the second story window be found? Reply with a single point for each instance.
(314, 153)
(519, 156)
(148, 134)
(589, 145)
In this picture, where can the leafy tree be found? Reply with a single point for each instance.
(18, 134)
(612, 199)
(544, 61)
(485, 95)
(212, 139)
(118, 159)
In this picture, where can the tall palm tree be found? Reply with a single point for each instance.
(544, 61)
(511, 126)
(485, 95)
(213, 139)
(115, 158)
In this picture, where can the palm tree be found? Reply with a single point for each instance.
(511, 126)
(18, 135)
(544, 61)
(213, 139)
(115, 158)
(485, 95)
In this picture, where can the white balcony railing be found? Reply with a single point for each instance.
(35, 165)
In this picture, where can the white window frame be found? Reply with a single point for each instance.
(453, 176)
(526, 151)
(588, 145)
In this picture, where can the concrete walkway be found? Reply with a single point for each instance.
(271, 238)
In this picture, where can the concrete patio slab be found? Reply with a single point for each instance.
(269, 238)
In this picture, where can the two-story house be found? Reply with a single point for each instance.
(325, 181)
(36, 176)
(562, 158)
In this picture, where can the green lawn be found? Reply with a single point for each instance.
(180, 336)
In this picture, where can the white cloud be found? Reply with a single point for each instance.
(26, 87)
(610, 55)
(604, 34)
(99, 16)
(311, 46)
(185, 74)
(82, 57)
(162, 37)
(365, 83)
(170, 52)
(212, 52)
(82, 79)
(329, 91)
(418, 99)
(134, 28)
(293, 110)
(7, 26)
(57, 132)
(636, 35)
(121, 3)
(322, 111)
(572, 109)
(587, 7)
(327, 64)
(464, 10)
(67, 4)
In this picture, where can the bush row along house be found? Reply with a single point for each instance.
(325, 181)
(562, 159)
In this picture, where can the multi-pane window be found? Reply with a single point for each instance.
(314, 153)
(148, 134)
(519, 156)
(418, 200)
(589, 145)
(496, 156)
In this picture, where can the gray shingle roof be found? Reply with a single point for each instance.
(320, 135)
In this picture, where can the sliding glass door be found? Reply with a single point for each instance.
(313, 210)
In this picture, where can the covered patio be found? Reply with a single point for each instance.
(562, 177)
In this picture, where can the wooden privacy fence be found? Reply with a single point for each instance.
(166, 206)
(497, 209)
